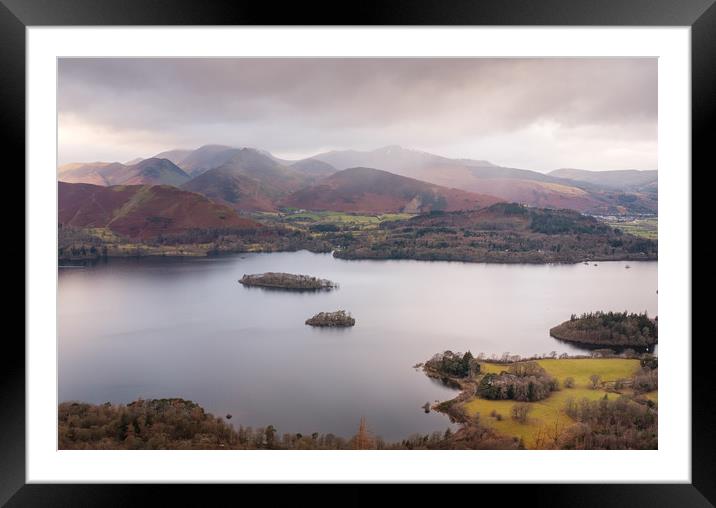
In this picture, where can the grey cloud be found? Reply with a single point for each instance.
(299, 106)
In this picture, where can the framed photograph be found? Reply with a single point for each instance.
(426, 244)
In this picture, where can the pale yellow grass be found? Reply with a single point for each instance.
(547, 418)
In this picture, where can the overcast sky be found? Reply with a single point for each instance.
(538, 114)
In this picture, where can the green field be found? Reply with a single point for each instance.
(547, 418)
(645, 228)
(306, 219)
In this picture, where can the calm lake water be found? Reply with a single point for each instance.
(186, 328)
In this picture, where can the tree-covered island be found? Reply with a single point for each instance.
(281, 280)
(339, 318)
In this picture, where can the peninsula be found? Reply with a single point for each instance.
(618, 329)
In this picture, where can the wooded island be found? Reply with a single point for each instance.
(287, 281)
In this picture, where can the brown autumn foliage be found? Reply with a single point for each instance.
(620, 424)
(178, 424)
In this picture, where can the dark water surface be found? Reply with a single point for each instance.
(186, 328)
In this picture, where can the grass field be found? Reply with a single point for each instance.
(306, 219)
(547, 418)
(645, 228)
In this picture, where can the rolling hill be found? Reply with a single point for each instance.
(142, 211)
(509, 184)
(377, 191)
(624, 180)
(153, 171)
(97, 173)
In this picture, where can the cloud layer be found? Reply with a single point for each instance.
(535, 113)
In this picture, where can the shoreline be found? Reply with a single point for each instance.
(616, 347)
(190, 255)
(457, 411)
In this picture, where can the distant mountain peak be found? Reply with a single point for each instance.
(215, 147)
(392, 148)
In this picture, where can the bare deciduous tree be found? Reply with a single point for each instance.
(520, 411)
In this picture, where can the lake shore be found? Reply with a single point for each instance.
(191, 312)
(581, 378)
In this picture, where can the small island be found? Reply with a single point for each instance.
(339, 318)
(609, 329)
(281, 280)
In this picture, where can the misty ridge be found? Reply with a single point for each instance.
(388, 179)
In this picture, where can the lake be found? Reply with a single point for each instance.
(157, 327)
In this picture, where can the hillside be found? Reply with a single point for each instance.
(206, 158)
(250, 180)
(623, 180)
(152, 171)
(313, 168)
(140, 211)
(97, 173)
(501, 233)
(377, 191)
(509, 184)
(394, 158)
(176, 156)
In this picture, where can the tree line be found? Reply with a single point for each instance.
(525, 381)
(609, 328)
(454, 364)
(160, 424)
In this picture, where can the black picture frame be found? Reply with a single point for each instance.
(16, 15)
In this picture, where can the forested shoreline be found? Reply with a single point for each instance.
(612, 414)
(178, 424)
(585, 409)
(620, 329)
(502, 233)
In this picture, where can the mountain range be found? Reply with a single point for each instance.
(391, 178)
(580, 190)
